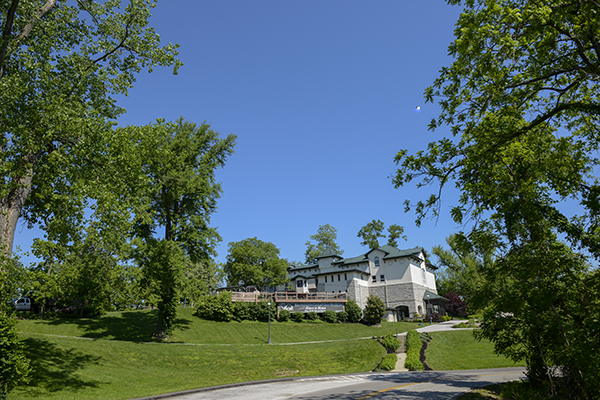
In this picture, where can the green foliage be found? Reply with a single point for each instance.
(298, 316)
(252, 262)
(413, 351)
(371, 232)
(353, 310)
(162, 262)
(389, 362)
(522, 104)
(312, 316)
(325, 238)
(390, 342)
(342, 316)
(58, 110)
(446, 318)
(14, 367)
(217, 307)
(374, 310)
(329, 316)
(284, 315)
(199, 279)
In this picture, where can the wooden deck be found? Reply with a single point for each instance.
(291, 297)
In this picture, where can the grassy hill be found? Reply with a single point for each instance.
(114, 356)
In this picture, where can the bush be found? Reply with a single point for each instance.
(446, 318)
(215, 307)
(390, 342)
(312, 316)
(342, 316)
(413, 351)
(242, 311)
(297, 316)
(329, 316)
(389, 362)
(374, 310)
(284, 315)
(354, 311)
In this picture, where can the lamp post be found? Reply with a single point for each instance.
(429, 308)
(269, 303)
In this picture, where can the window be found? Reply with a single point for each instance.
(345, 277)
(424, 277)
(339, 279)
(325, 278)
(376, 261)
(374, 278)
(382, 278)
(299, 283)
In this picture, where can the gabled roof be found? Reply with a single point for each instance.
(390, 253)
(328, 252)
(433, 296)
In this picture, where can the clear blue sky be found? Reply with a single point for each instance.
(321, 94)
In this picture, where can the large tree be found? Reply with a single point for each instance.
(61, 65)
(182, 194)
(522, 102)
(253, 262)
(325, 238)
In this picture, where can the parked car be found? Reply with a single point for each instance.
(23, 304)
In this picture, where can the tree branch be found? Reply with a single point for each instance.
(6, 33)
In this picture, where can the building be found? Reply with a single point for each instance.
(401, 278)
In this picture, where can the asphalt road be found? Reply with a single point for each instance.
(431, 385)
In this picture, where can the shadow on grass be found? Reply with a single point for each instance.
(132, 326)
(56, 369)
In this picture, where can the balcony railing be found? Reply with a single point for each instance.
(278, 297)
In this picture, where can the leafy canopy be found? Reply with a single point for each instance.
(252, 262)
(325, 238)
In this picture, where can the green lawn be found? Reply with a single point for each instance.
(459, 350)
(119, 360)
(139, 326)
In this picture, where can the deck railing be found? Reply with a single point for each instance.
(278, 297)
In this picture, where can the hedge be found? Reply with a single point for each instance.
(413, 352)
(389, 362)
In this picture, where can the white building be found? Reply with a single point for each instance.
(401, 278)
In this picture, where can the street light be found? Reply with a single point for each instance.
(429, 308)
(269, 303)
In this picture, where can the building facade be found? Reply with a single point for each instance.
(401, 278)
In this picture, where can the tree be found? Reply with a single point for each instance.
(374, 310)
(461, 272)
(325, 238)
(522, 102)
(371, 232)
(182, 195)
(252, 262)
(61, 64)
(353, 310)
(199, 279)
(456, 307)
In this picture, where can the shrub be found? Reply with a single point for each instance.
(284, 315)
(390, 342)
(374, 310)
(215, 307)
(354, 311)
(329, 316)
(446, 318)
(389, 362)
(242, 311)
(297, 316)
(413, 351)
(456, 306)
(311, 316)
(342, 316)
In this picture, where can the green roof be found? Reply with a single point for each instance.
(433, 296)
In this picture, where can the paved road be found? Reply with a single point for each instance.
(432, 385)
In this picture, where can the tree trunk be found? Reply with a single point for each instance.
(12, 204)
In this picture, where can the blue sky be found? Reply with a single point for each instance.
(321, 94)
